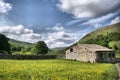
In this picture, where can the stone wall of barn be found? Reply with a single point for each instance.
(80, 54)
(88, 53)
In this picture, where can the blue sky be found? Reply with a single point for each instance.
(59, 23)
(37, 12)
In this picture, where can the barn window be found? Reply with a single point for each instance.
(113, 55)
(71, 50)
(100, 55)
(109, 55)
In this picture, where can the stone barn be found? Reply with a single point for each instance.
(90, 53)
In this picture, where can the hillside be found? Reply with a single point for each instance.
(59, 48)
(18, 46)
(20, 43)
(108, 36)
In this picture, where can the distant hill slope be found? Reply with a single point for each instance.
(19, 43)
(107, 36)
(105, 31)
(58, 48)
(18, 46)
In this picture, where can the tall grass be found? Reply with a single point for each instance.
(55, 70)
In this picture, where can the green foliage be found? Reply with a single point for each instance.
(55, 70)
(19, 47)
(54, 52)
(16, 48)
(26, 49)
(118, 51)
(57, 51)
(114, 47)
(4, 45)
(40, 48)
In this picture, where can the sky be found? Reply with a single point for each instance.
(59, 23)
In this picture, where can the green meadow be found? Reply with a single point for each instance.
(56, 70)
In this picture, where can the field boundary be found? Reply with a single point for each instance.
(25, 57)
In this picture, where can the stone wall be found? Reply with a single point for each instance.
(81, 54)
(30, 57)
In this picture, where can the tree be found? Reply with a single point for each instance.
(40, 48)
(4, 45)
(114, 47)
(118, 51)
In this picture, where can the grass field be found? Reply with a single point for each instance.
(55, 70)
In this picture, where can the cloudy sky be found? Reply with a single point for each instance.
(59, 23)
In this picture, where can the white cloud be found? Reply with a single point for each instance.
(19, 32)
(99, 20)
(56, 38)
(97, 26)
(4, 7)
(115, 20)
(59, 38)
(88, 8)
(56, 28)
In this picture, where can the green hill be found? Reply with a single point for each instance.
(108, 36)
(18, 46)
(19, 43)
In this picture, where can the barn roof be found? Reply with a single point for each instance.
(93, 47)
